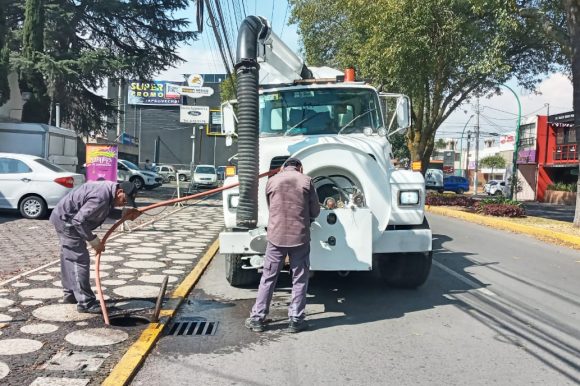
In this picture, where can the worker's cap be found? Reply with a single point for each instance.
(293, 162)
(130, 192)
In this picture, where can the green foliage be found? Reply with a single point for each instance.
(562, 187)
(437, 52)
(228, 88)
(493, 161)
(399, 146)
(85, 43)
(4, 54)
(498, 200)
(440, 144)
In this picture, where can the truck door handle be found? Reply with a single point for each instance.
(25, 179)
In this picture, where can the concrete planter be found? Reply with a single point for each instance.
(560, 198)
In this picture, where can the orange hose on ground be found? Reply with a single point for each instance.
(145, 209)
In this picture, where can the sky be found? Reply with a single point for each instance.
(498, 114)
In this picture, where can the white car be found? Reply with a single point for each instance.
(128, 171)
(32, 184)
(204, 176)
(496, 188)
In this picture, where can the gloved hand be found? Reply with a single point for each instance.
(131, 213)
(97, 245)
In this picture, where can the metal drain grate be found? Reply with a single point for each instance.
(193, 328)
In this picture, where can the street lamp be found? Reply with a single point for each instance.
(461, 146)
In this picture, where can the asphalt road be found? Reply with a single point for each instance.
(498, 308)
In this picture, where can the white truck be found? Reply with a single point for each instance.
(339, 129)
(54, 144)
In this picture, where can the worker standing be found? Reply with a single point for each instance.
(74, 218)
(293, 206)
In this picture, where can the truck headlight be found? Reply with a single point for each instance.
(233, 200)
(408, 197)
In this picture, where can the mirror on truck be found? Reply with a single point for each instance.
(228, 121)
(396, 109)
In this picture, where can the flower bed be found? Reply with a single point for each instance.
(499, 207)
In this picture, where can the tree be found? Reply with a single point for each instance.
(493, 162)
(438, 52)
(559, 20)
(440, 144)
(83, 44)
(4, 54)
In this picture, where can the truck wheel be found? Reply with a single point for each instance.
(460, 191)
(405, 270)
(236, 275)
(138, 181)
(33, 207)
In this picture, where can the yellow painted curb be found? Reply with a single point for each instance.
(499, 223)
(136, 354)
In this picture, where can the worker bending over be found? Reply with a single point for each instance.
(74, 218)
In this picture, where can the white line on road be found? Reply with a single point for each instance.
(470, 283)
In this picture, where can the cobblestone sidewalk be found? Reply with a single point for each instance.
(45, 342)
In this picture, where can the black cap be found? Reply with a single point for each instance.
(130, 192)
(293, 162)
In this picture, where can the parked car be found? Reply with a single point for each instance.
(204, 176)
(33, 185)
(221, 173)
(184, 174)
(434, 180)
(497, 188)
(128, 171)
(166, 171)
(456, 184)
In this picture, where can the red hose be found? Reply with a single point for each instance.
(145, 209)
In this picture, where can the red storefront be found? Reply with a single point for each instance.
(557, 152)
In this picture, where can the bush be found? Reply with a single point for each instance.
(449, 200)
(561, 187)
(501, 210)
(498, 200)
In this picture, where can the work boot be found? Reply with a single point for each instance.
(69, 299)
(297, 325)
(92, 308)
(255, 325)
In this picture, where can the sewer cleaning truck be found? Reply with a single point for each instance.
(372, 216)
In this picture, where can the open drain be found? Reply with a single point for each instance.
(193, 328)
(128, 321)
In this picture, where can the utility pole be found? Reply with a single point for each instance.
(467, 155)
(476, 146)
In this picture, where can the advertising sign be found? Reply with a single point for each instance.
(507, 142)
(527, 156)
(194, 114)
(157, 93)
(101, 162)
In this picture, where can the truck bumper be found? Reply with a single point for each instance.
(404, 241)
(391, 241)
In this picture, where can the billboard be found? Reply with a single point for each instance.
(194, 114)
(101, 162)
(156, 93)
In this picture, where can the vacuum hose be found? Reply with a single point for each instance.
(145, 209)
(247, 74)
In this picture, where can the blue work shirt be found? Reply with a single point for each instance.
(85, 208)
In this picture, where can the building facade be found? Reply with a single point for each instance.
(150, 116)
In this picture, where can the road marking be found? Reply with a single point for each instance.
(127, 367)
(465, 280)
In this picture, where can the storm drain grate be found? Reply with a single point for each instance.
(193, 328)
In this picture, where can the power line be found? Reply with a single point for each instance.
(272, 18)
(284, 22)
(225, 36)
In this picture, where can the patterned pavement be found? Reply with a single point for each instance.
(45, 342)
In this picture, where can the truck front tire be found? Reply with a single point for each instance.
(405, 270)
(236, 275)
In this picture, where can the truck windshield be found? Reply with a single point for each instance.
(205, 170)
(318, 111)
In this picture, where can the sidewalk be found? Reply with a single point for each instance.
(45, 342)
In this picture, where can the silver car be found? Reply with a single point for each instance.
(33, 185)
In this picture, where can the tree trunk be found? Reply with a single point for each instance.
(573, 10)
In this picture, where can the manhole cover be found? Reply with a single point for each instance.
(193, 328)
